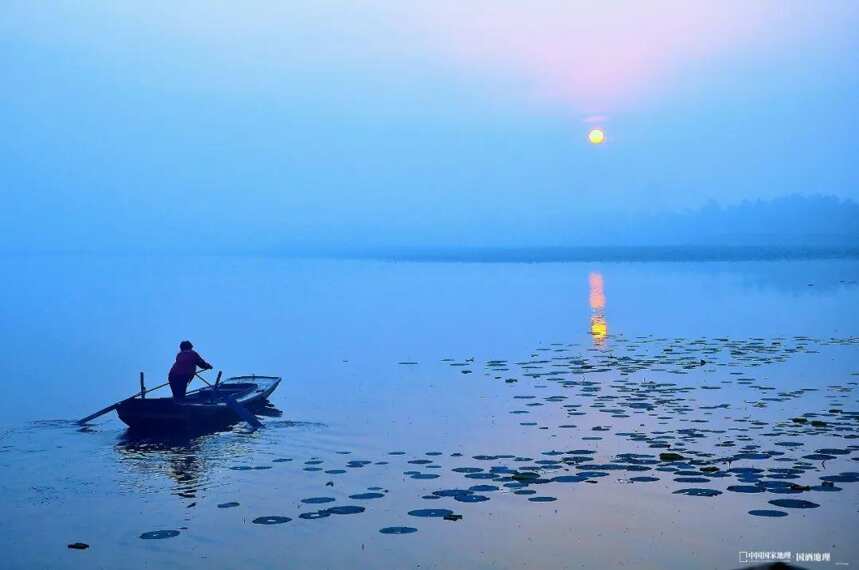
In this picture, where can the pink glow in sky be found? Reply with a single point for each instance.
(598, 56)
(589, 57)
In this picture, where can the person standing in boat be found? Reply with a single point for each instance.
(184, 369)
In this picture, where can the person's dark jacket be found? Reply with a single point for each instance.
(186, 365)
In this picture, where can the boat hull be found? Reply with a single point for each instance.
(202, 409)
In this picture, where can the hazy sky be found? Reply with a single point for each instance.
(236, 125)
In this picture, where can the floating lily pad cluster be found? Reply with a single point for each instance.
(680, 435)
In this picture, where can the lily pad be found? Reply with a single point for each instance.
(471, 498)
(318, 500)
(430, 513)
(366, 496)
(271, 520)
(698, 492)
(345, 510)
(767, 513)
(398, 530)
(794, 504)
(159, 534)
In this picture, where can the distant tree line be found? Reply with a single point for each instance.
(790, 220)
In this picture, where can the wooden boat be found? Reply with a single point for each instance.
(205, 408)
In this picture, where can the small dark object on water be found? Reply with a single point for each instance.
(452, 517)
(78, 546)
(670, 456)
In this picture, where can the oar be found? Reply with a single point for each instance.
(239, 409)
(116, 405)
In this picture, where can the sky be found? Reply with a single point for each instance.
(222, 126)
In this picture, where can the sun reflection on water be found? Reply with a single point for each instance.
(599, 325)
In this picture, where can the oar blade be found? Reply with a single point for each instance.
(242, 411)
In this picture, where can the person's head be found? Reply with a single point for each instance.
(185, 345)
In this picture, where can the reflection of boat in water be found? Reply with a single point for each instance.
(180, 457)
(187, 457)
(202, 410)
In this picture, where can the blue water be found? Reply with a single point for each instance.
(76, 332)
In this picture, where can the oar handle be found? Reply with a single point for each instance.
(217, 380)
(197, 374)
(148, 390)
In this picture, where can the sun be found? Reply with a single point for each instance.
(596, 136)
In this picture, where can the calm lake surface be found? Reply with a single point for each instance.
(534, 400)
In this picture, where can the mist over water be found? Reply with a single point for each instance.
(261, 129)
(104, 318)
